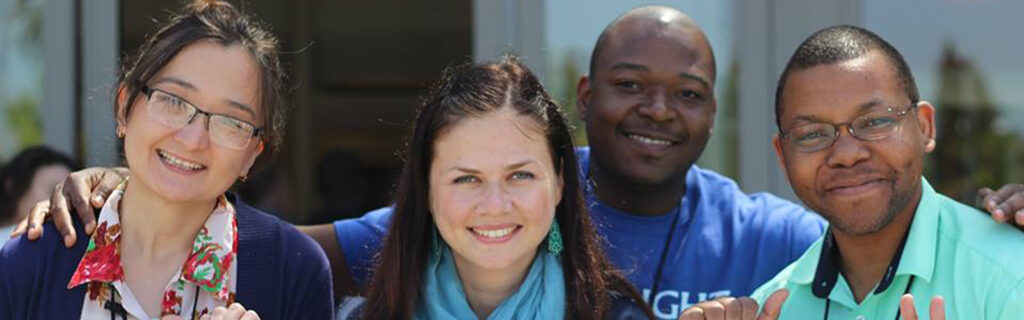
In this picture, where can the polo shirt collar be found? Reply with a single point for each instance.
(915, 256)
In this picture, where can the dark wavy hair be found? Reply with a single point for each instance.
(16, 176)
(223, 23)
(474, 90)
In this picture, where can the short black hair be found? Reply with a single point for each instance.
(842, 43)
(16, 176)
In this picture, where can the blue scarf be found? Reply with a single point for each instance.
(540, 296)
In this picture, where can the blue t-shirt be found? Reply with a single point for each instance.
(726, 243)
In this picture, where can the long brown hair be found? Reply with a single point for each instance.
(221, 22)
(474, 90)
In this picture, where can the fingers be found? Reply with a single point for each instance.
(712, 309)
(106, 184)
(250, 315)
(234, 312)
(35, 221)
(59, 208)
(999, 203)
(907, 310)
(78, 188)
(1013, 208)
(22, 226)
(773, 305)
(217, 314)
(937, 310)
(981, 198)
(722, 308)
(749, 308)
(692, 313)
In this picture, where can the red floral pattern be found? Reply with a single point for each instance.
(207, 272)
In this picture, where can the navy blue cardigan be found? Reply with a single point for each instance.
(282, 273)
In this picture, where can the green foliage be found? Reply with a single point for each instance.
(23, 119)
(970, 152)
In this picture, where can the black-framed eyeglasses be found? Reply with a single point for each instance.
(875, 125)
(175, 112)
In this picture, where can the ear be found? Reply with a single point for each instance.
(121, 105)
(252, 159)
(777, 143)
(714, 111)
(926, 123)
(583, 97)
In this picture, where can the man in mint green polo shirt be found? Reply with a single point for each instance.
(853, 135)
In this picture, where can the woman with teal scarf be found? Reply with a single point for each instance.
(489, 220)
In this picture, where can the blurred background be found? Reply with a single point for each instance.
(359, 68)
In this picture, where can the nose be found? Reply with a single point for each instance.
(847, 151)
(496, 200)
(194, 135)
(656, 107)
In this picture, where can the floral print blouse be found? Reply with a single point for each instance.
(205, 281)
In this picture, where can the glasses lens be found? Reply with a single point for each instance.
(169, 110)
(877, 125)
(812, 137)
(230, 132)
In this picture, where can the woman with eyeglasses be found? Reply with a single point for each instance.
(197, 108)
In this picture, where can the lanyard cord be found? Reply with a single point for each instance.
(195, 303)
(116, 308)
(909, 284)
(664, 252)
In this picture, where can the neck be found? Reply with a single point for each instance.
(154, 228)
(485, 289)
(635, 198)
(865, 258)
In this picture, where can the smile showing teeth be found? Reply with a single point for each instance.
(649, 140)
(496, 233)
(180, 163)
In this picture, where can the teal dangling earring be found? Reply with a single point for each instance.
(555, 238)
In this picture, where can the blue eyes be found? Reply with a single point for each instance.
(522, 175)
(466, 179)
(515, 176)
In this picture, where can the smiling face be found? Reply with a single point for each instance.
(181, 164)
(649, 104)
(493, 190)
(859, 186)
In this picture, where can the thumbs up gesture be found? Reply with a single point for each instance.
(744, 308)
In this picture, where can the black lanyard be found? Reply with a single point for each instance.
(910, 283)
(887, 279)
(117, 309)
(664, 253)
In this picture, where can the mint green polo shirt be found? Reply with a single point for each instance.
(952, 250)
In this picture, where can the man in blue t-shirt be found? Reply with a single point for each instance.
(682, 234)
